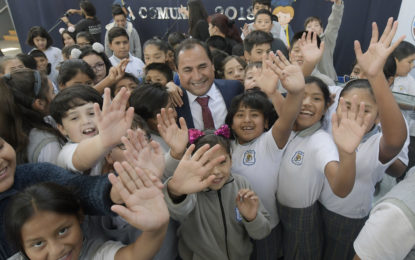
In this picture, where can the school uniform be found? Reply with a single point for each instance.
(135, 66)
(343, 218)
(300, 181)
(258, 161)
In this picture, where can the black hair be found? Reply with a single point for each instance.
(161, 45)
(116, 32)
(197, 12)
(88, 8)
(27, 60)
(238, 49)
(176, 38)
(211, 139)
(389, 69)
(85, 35)
(36, 31)
(403, 50)
(39, 197)
(218, 56)
(66, 51)
(75, 96)
(37, 53)
(360, 84)
(278, 44)
(241, 61)
(264, 11)
(126, 76)
(70, 68)
(148, 99)
(189, 44)
(163, 68)
(88, 50)
(297, 36)
(117, 10)
(310, 19)
(323, 87)
(217, 42)
(256, 38)
(262, 2)
(255, 99)
(71, 34)
(139, 122)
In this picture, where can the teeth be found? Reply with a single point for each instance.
(306, 113)
(247, 128)
(3, 171)
(89, 131)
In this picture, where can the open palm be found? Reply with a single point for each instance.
(175, 137)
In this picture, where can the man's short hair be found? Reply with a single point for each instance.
(189, 44)
(257, 38)
(117, 32)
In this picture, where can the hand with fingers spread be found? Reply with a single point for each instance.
(373, 60)
(145, 206)
(311, 52)
(291, 76)
(268, 77)
(116, 73)
(248, 203)
(113, 121)
(349, 125)
(140, 153)
(193, 174)
(175, 137)
(176, 93)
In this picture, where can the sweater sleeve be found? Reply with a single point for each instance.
(333, 25)
(93, 191)
(171, 165)
(137, 51)
(179, 211)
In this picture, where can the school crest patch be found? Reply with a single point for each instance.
(238, 215)
(298, 157)
(249, 157)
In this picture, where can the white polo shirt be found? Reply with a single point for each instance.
(135, 66)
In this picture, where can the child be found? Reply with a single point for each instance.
(310, 156)
(256, 44)
(120, 46)
(9, 64)
(68, 38)
(84, 39)
(218, 211)
(234, 68)
(252, 72)
(90, 132)
(329, 36)
(158, 73)
(155, 50)
(33, 93)
(43, 65)
(127, 81)
(40, 39)
(96, 58)
(263, 21)
(45, 220)
(75, 71)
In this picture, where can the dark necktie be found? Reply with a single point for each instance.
(206, 114)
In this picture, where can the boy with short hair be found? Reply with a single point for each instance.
(158, 73)
(128, 81)
(120, 46)
(256, 44)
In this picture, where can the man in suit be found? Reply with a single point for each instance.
(205, 99)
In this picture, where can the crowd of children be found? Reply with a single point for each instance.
(97, 160)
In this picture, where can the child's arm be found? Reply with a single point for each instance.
(333, 23)
(175, 93)
(293, 81)
(311, 52)
(372, 62)
(145, 210)
(348, 131)
(114, 75)
(113, 123)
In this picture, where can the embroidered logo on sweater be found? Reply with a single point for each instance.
(298, 158)
(238, 215)
(249, 157)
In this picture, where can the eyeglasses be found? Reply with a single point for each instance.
(98, 66)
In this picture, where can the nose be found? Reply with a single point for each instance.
(238, 74)
(306, 100)
(85, 119)
(196, 75)
(55, 249)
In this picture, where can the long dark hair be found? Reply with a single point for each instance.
(226, 26)
(197, 12)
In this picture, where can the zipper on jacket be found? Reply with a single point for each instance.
(224, 223)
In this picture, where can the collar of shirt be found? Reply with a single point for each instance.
(117, 60)
(212, 94)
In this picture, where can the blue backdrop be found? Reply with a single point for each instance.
(155, 17)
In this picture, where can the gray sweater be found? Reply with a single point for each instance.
(211, 226)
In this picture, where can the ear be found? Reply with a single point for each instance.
(61, 129)
(39, 105)
(109, 159)
(247, 56)
(110, 45)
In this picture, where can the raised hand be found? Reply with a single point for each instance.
(193, 174)
(268, 78)
(140, 153)
(247, 202)
(291, 76)
(349, 125)
(145, 206)
(116, 73)
(245, 30)
(373, 60)
(175, 137)
(113, 121)
(176, 94)
(311, 52)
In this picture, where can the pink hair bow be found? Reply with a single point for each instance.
(196, 133)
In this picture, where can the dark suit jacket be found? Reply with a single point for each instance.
(228, 89)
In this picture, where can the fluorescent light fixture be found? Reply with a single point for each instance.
(9, 49)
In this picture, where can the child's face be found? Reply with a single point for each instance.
(12, 65)
(221, 171)
(257, 51)
(404, 66)
(67, 40)
(284, 18)
(82, 41)
(296, 54)
(48, 235)
(357, 73)
(120, 46)
(79, 123)
(152, 54)
(258, 7)
(263, 23)
(7, 165)
(155, 76)
(80, 78)
(40, 42)
(127, 83)
(314, 26)
(248, 124)
(312, 109)
(97, 65)
(250, 78)
(363, 95)
(234, 70)
(41, 63)
(120, 20)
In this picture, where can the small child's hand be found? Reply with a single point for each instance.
(245, 30)
(176, 94)
(311, 52)
(248, 203)
(373, 60)
(291, 76)
(268, 78)
(175, 137)
(193, 174)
